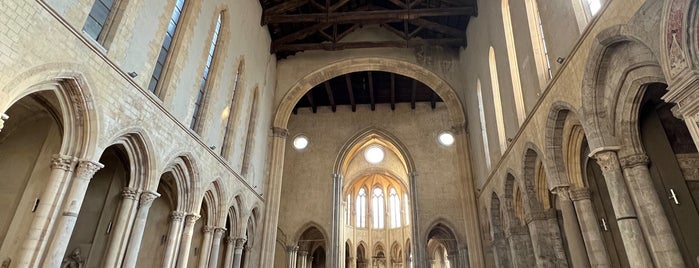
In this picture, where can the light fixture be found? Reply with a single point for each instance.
(374, 154)
(446, 138)
(300, 142)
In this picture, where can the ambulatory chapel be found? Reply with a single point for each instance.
(349, 133)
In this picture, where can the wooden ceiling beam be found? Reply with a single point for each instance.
(413, 94)
(299, 35)
(338, 5)
(331, 98)
(438, 27)
(368, 44)
(393, 91)
(371, 15)
(394, 30)
(371, 91)
(346, 32)
(399, 3)
(309, 97)
(281, 8)
(350, 91)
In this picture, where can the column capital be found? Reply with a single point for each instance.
(86, 169)
(230, 240)
(192, 218)
(289, 248)
(240, 242)
(207, 229)
(129, 193)
(147, 198)
(634, 160)
(578, 194)
(177, 216)
(563, 192)
(606, 159)
(539, 215)
(219, 230)
(302, 253)
(278, 132)
(64, 162)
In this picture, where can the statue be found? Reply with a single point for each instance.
(73, 261)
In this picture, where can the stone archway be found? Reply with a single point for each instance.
(303, 85)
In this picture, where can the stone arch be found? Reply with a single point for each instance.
(500, 246)
(553, 157)
(183, 169)
(679, 43)
(396, 252)
(430, 79)
(532, 187)
(615, 45)
(215, 201)
(235, 216)
(362, 137)
(511, 185)
(73, 92)
(138, 147)
(307, 226)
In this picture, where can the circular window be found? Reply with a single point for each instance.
(374, 154)
(300, 142)
(446, 138)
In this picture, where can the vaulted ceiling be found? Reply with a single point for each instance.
(367, 88)
(299, 25)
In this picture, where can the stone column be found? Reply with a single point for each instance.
(238, 252)
(205, 246)
(629, 226)
(62, 167)
(215, 247)
(336, 224)
(3, 117)
(546, 238)
(521, 251)
(173, 235)
(417, 244)
(186, 240)
(302, 256)
(291, 255)
(139, 226)
(228, 260)
(273, 196)
(576, 245)
(656, 227)
(119, 236)
(66, 222)
(596, 253)
(309, 262)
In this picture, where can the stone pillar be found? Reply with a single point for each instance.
(273, 196)
(576, 245)
(62, 167)
(656, 227)
(66, 222)
(302, 257)
(173, 236)
(596, 253)
(336, 224)
(463, 258)
(521, 252)
(186, 240)
(119, 236)
(3, 117)
(205, 246)
(139, 226)
(238, 252)
(309, 262)
(629, 226)
(228, 259)
(417, 244)
(215, 247)
(291, 255)
(547, 242)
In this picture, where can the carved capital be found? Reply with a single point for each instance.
(240, 242)
(563, 192)
(607, 160)
(63, 162)
(303, 253)
(147, 198)
(129, 193)
(219, 231)
(633, 160)
(86, 169)
(539, 215)
(177, 216)
(278, 132)
(578, 194)
(192, 218)
(229, 240)
(207, 229)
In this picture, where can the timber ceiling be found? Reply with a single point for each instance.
(367, 88)
(299, 25)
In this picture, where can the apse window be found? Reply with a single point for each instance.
(300, 142)
(374, 154)
(446, 138)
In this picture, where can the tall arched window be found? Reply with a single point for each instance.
(541, 59)
(394, 202)
(484, 130)
(497, 101)
(514, 65)
(227, 134)
(196, 115)
(165, 48)
(361, 208)
(99, 18)
(250, 137)
(377, 211)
